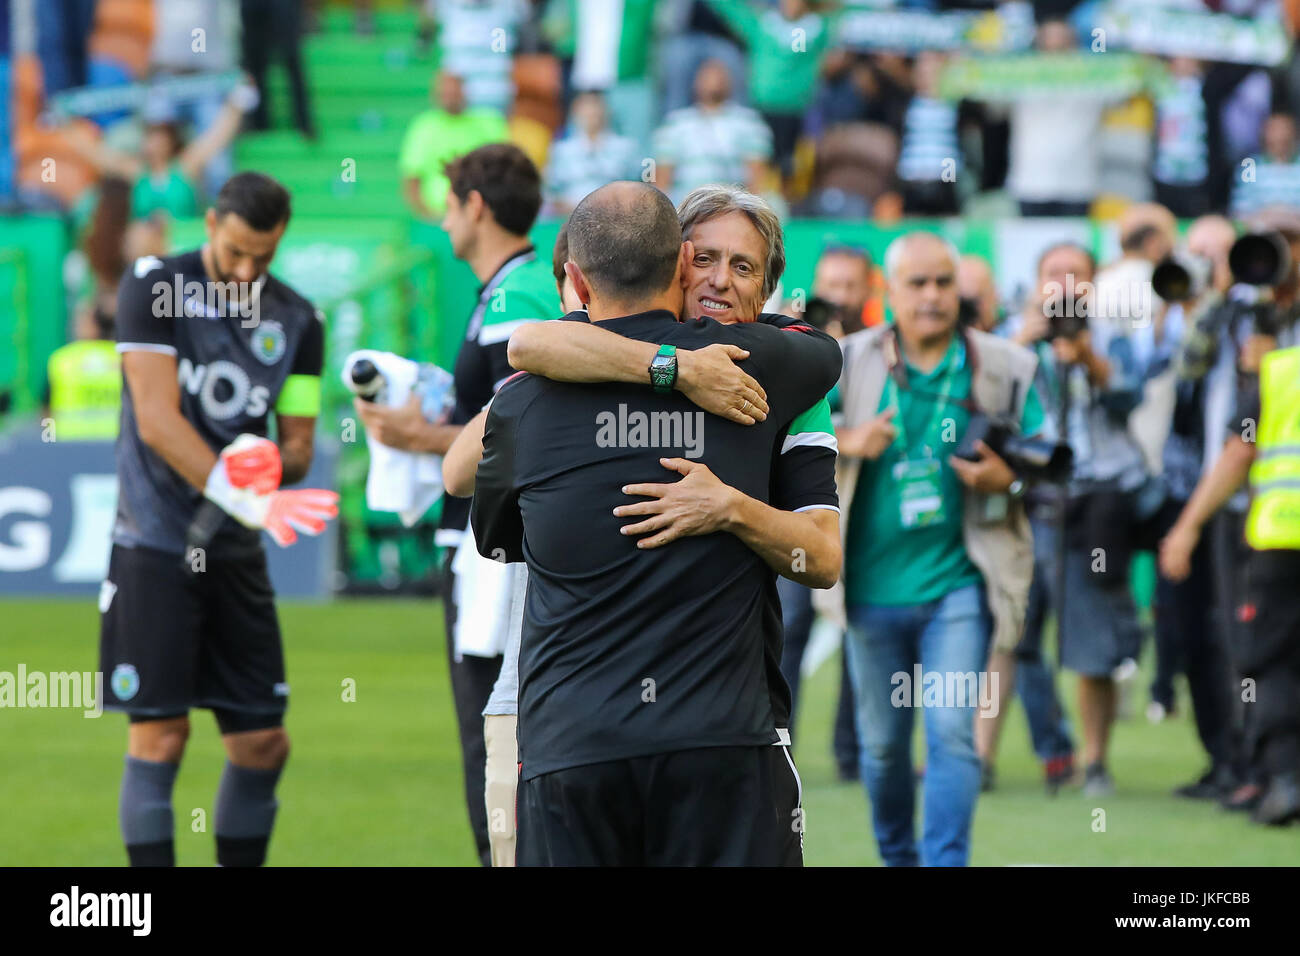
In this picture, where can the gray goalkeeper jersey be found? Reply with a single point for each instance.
(234, 369)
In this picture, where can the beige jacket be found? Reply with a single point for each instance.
(995, 527)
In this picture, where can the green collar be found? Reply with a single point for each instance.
(953, 360)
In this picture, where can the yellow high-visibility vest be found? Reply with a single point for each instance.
(85, 390)
(1274, 518)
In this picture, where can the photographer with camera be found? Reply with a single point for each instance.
(1091, 382)
(1024, 668)
(1189, 633)
(843, 294)
(938, 557)
(1224, 349)
(1268, 657)
(979, 293)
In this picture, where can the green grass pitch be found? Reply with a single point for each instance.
(377, 781)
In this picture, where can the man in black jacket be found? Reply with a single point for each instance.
(644, 709)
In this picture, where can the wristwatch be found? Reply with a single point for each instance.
(1016, 489)
(663, 369)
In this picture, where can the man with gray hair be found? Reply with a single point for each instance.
(646, 726)
(938, 558)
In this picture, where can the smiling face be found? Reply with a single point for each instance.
(724, 279)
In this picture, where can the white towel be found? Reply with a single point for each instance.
(401, 481)
(484, 591)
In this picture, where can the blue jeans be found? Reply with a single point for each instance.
(1049, 729)
(947, 636)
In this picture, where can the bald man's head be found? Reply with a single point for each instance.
(912, 243)
(1211, 235)
(922, 270)
(626, 239)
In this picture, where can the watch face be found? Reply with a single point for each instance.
(663, 370)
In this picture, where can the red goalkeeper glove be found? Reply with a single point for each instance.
(245, 485)
(253, 462)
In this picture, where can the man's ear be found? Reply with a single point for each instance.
(210, 222)
(474, 205)
(580, 287)
(685, 256)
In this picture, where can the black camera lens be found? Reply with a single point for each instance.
(1039, 458)
(1260, 259)
(1173, 282)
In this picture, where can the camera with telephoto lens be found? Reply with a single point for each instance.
(968, 311)
(820, 313)
(1181, 277)
(1066, 326)
(1262, 260)
(1067, 315)
(1034, 458)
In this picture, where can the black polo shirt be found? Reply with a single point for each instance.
(628, 652)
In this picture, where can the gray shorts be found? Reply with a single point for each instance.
(1100, 627)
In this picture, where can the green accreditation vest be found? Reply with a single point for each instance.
(1274, 518)
(85, 390)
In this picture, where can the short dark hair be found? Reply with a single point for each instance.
(506, 179)
(626, 239)
(255, 198)
(847, 251)
(1137, 238)
(560, 254)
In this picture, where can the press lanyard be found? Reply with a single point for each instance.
(941, 400)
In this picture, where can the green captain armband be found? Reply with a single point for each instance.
(300, 396)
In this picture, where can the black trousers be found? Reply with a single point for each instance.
(1272, 659)
(1053, 207)
(472, 679)
(712, 806)
(1229, 559)
(1185, 202)
(933, 198)
(786, 128)
(844, 739)
(1188, 640)
(797, 620)
(271, 27)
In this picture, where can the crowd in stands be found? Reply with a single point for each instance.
(851, 109)
(828, 115)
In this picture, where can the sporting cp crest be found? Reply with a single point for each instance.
(268, 342)
(125, 681)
